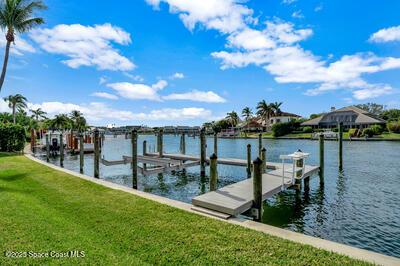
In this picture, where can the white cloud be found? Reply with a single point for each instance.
(86, 45)
(103, 80)
(4, 106)
(20, 45)
(134, 77)
(197, 96)
(276, 48)
(139, 91)
(222, 15)
(100, 111)
(319, 7)
(297, 14)
(288, 2)
(386, 35)
(105, 95)
(177, 75)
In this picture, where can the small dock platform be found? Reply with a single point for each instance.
(237, 198)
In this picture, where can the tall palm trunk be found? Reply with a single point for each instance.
(3, 72)
(13, 113)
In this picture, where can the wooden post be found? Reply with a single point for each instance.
(248, 169)
(61, 150)
(160, 143)
(202, 152)
(259, 144)
(213, 172)
(216, 144)
(183, 144)
(134, 137)
(144, 153)
(96, 154)
(341, 146)
(263, 159)
(257, 189)
(81, 153)
(321, 158)
(47, 148)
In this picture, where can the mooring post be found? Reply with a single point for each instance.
(216, 143)
(81, 153)
(321, 158)
(248, 169)
(263, 159)
(33, 140)
(61, 150)
(96, 153)
(213, 172)
(259, 144)
(183, 144)
(202, 152)
(144, 154)
(134, 137)
(47, 148)
(160, 142)
(257, 189)
(340, 146)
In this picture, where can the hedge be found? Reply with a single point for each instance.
(394, 126)
(281, 129)
(12, 137)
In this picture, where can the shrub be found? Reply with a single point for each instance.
(376, 129)
(12, 137)
(369, 132)
(281, 129)
(353, 132)
(307, 130)
(394, 126)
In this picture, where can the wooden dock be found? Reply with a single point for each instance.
(237, 198)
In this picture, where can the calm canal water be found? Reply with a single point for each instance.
(359, 206)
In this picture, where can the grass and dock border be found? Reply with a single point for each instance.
(352, 252)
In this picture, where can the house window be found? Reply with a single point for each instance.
(272, 121)
(278, 120)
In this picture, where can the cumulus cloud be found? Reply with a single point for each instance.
(105, 95)
(197, 96)
(177, 75)
(275, 47)
(139, 91)
(386, 35)
(86, 45)
(99, 111)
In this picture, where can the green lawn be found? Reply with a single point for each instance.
(43, 209)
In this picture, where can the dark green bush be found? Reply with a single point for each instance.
(281, 129)
(376, 129)
(307, 130)
(353, 132)
(12, 137)
(369, 132)
(394, 126)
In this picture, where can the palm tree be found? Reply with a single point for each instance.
(276, 107)
(16, 102)
(78, 121)
(16, 16)
(264, 110)
(247, 113)
(232, 118)
(61, 121)
(38, 113)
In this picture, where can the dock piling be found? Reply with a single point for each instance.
(259, 144)
(134, 138)
(81, 153)
(160, 143)
(96, 154)
(216, 143)
(248, 168)
(61, 150)
(213, 172)
(321, 158)
(183, 144)
(47, 148)
(203, 152)
(257, 189)
(264, 160)
(340, 146)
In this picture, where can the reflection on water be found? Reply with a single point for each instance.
(358, 206)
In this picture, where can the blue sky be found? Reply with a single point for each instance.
(159, 62)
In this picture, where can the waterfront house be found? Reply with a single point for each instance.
(351, 116)
(283, 117)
